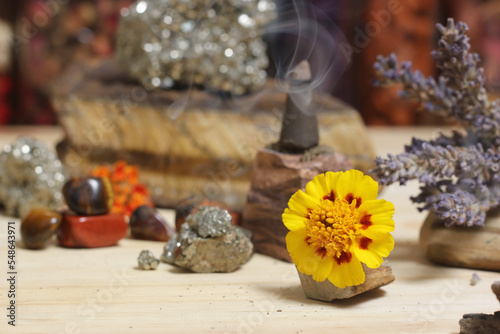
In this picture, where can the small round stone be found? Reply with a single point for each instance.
(148, 224)
(147, 261)
(89, 196)
(39, 226)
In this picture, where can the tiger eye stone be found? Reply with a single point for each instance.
(92, 231)
(38, 227)
(148, 224)
(89, 196)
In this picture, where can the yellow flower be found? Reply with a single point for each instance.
(336, 224)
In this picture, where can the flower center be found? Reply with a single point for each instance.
(331, 227)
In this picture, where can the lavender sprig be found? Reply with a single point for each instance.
(429, 163)
(458, 92)
(459, 172)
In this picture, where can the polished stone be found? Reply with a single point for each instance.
(38, 227)
(148, 224)
(89, 196)
(92, 231)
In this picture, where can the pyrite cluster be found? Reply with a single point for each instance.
(30, 176)
(215, 44)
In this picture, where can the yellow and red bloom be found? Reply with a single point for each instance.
(337, 224)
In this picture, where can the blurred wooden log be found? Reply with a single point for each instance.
(185, 142)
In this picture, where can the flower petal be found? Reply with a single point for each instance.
(371, 252)
(347, 273)
(317, 187)
(292, 221)
(301, 253)
(324, 269)
(331, 179)
(376, 218)
(353, 184)
(300, 202)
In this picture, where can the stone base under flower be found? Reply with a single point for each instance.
(326, 291)
(458, 246)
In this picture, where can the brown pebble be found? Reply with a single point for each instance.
(148, 224)
(38, 227)
(89, 196)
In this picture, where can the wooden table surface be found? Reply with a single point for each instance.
(101, 291)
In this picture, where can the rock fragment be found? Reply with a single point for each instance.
(147, 260)
(207, 242)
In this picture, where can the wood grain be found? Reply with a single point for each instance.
(187, 141)
(101, 291)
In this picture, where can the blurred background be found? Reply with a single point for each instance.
(39, 39)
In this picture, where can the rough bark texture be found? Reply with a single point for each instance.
(468, 247)
(326, 291)
(276, 177)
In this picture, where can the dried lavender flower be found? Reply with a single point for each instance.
(459, 172)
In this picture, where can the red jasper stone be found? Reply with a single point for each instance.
(92, 231)
(148, 224)
(191, 204)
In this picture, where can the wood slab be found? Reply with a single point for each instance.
(185, 141)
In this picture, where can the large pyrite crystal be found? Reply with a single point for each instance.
(30, 176)
(207, 242)
(215, 44)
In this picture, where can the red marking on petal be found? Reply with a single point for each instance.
(307, 240)
(321, 251)
(330, 196)
(350, 197)
(366, 222)
(343, 258)
(308, 216)
(364, 242)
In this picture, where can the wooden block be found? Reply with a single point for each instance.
(276, 177)
(185, 142)
(459, 246)
(326, 291)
